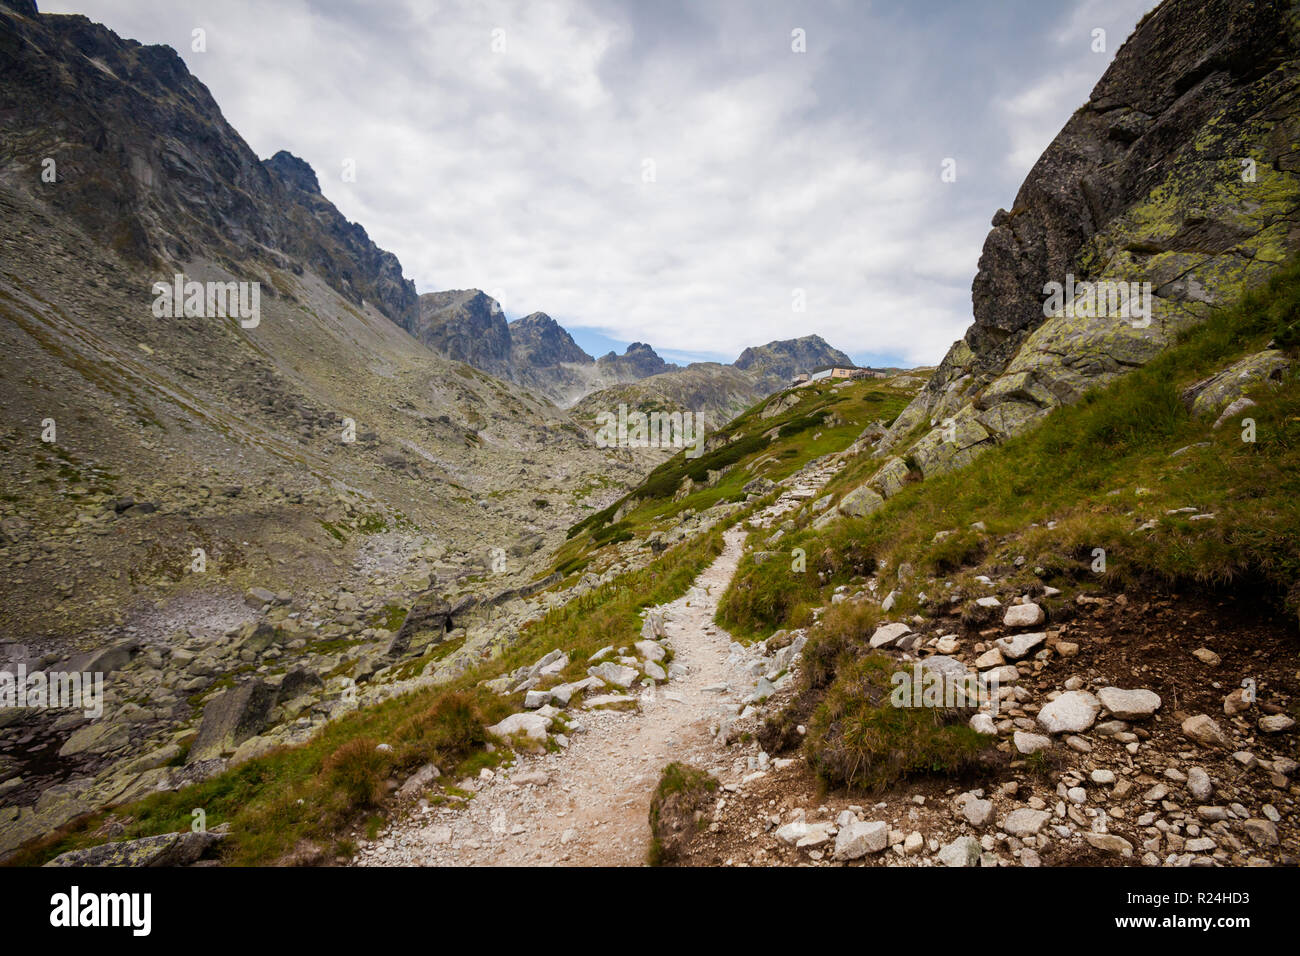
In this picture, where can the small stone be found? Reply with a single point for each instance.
(1025, 822)
(1023, 615)
(1276, 723)
(1198, 784)
(1020, 645)
(983, 724)
(963, 851)
(1263, 832)
(1203, 730)
(1129, 704)
(1109, 843)
(1236, 703)
(977, 812)
(855, 839)
(1028, 743)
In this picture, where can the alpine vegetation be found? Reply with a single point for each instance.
(828, 516)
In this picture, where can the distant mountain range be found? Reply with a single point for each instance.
(467, 325)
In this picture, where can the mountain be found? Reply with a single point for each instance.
(177, 481)
(712, 390)
(465, 326)
(538, 341)
(537, 353)
(781, 361)
(638, 361)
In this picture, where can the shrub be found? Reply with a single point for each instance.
(858, 738)
(358, 769)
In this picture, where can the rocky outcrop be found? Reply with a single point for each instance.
(465, 325)
(1211, 396)
(167, 849)
(1172, 190)
(231, 718)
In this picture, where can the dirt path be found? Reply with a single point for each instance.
(588, 805)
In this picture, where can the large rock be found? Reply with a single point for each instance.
(168, 849)
(887, 634)
(1124, 193)
(857, 839)
(620, 675)
(1071, 713)
(860, 502)
(890, 478)
(98, 736)
(231, 718)
(1207, 398)
(1129, 704)
(532, 726)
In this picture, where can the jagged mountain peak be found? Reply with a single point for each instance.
(538, 340)
(294, 171)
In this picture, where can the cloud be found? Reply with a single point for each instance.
(668, 172)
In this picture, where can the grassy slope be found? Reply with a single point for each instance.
(1100, 474)
(802, 436)
(1099, 470)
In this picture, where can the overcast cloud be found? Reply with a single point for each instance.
(522, 170)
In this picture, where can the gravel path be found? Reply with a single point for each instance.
(589, 805)
(594, 805)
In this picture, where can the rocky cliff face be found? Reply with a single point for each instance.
(639, 361)
(1179, 177)
(538, 341)
(146, 164)
(465, 326)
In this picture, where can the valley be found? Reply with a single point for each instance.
(377, 576)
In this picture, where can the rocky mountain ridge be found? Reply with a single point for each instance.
(536, 352)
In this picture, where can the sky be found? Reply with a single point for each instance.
(701, 175)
